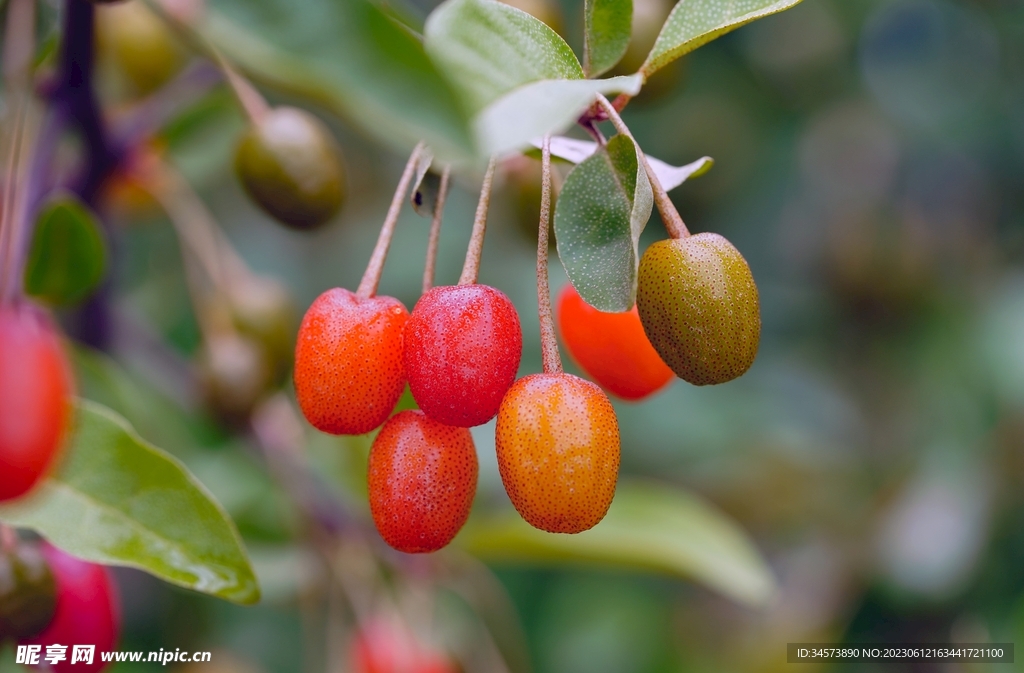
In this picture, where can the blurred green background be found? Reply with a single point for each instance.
(870, 166)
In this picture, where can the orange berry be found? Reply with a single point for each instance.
(348, 361)
(611, 347)
(422, 479)
(558, 451)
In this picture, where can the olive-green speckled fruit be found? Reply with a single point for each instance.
(291, 166)
(699, 307)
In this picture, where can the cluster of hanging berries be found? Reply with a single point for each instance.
(557, 436)
(49, 598)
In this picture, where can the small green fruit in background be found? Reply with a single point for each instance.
(290, 165)
(699, 307)
(235, 374)
(28, 593)
(138, 43)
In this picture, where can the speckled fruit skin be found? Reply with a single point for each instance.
(699, 306)
(557, 440)
(87, 610)
(422, 479)
(290, 165)
(348, 361)
(462, 349)
(611, 348)
(35, 398)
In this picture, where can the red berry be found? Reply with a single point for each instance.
(387, 646)
(558, 451)
(422, 478)
(348, 361)
(35, 390)
(462, 350)
(87, 611)
(611, 347)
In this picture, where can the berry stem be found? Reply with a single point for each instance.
(471, 267)
(371, 278)
(435, 230)
(670, 216)
(548, 341)
(18, 51)
(251, 100)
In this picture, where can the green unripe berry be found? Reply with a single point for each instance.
(699, 307)
(290, 165)
(28, 593)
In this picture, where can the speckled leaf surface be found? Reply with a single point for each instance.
(118, 500)
(539, 108)
(487, 49)
(649, 526)
(606, 34)
(694, 23)
(601, 211)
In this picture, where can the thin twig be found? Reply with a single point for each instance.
(7, 223)
(371, 278)
(251, 100)
(548, 341)
(471, 267)
(435, 230)
(670, 216)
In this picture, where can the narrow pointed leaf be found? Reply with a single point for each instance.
(650, 527)
(601, 211)
(67, 257)
(539, 108)
(694, 23)
(119, 500)
(606, 34)
(488, 49)
(574, 151)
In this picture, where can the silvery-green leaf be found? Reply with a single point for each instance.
(488, 48)
(539, 108)
(694, 23)
(606, 33)
(575, 151)
(601, 211)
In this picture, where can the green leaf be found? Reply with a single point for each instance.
(539, 108)
(602, 210)
(606, 34)
(118, 500)
(574, 151)
(694, 23)
(488, 49)
(650, 527)
(350, 57)
(68, 257)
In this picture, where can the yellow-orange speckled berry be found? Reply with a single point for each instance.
(348, 361)
(699, 307)
(421, 481)
(557, 440)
